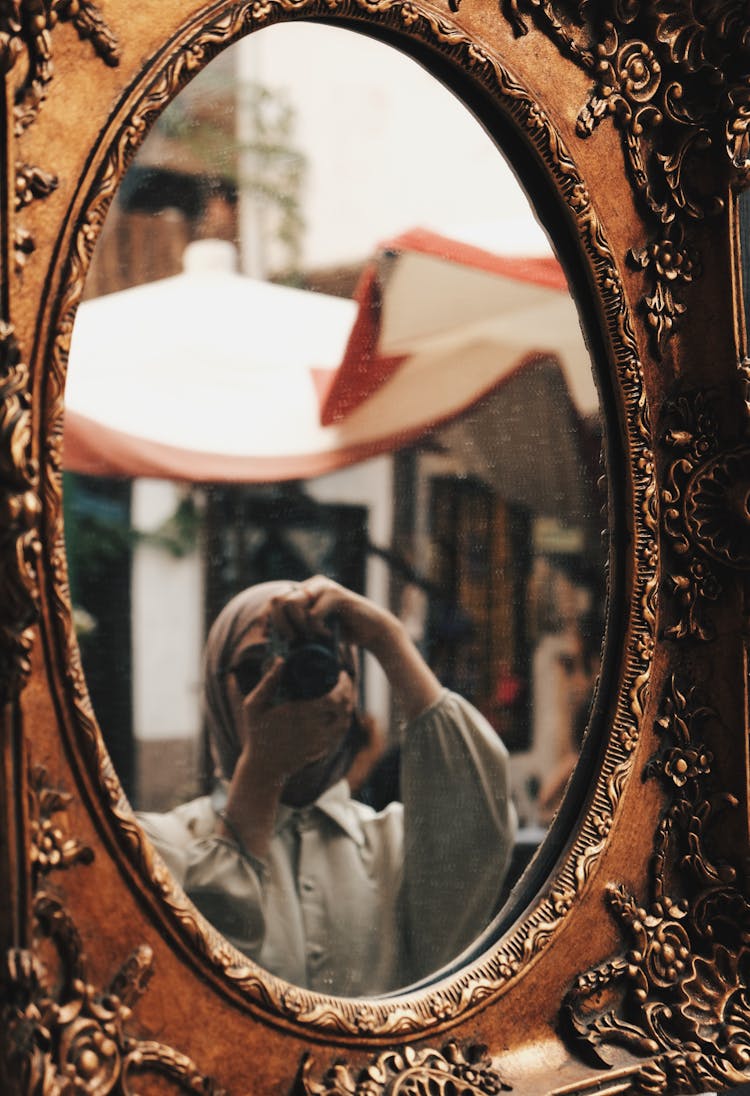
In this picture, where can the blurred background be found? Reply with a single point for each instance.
(323, 332)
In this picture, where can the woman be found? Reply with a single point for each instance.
(316, 887)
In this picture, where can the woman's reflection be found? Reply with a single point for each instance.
(319, 888)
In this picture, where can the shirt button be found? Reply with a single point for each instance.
(314, 953)
(307, 886)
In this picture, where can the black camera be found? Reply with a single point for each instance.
(312, 664)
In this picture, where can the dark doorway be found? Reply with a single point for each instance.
(99, 545)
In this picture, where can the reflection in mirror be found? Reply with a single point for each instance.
(324, 339)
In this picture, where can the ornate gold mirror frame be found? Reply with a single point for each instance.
(625, 966)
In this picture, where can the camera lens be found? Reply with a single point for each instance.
(311, 670)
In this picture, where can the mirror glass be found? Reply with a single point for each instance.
(324, 335)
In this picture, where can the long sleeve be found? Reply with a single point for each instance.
(459, 827)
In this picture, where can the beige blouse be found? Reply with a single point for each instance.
(355, 902)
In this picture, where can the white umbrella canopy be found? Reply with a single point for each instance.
(212, 376)
(205, 375)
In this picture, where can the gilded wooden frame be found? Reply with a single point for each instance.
(625, 968)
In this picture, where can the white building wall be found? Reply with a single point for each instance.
(167, 621)
(388, 148)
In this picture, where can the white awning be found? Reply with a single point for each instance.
(213, 376)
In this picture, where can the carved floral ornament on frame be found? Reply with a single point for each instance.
(674, 79)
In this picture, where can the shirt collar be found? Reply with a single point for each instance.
(335, 803)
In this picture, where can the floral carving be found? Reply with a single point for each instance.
(629, 77)
(61, 1034)
(688, 763)
(679, 996)
(706, 516)
(50, 847)
(31, 183)
(26, 28)
(668, 266)
(674, 77)
(74, 1038)
(19, 507)
(692, 435)
(717, 507)
(715, 1000)
(410, 1071)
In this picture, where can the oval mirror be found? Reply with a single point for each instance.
(340, 358)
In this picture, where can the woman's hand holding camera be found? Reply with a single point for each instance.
(308, 607)
(278, 741)
(282, 738)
